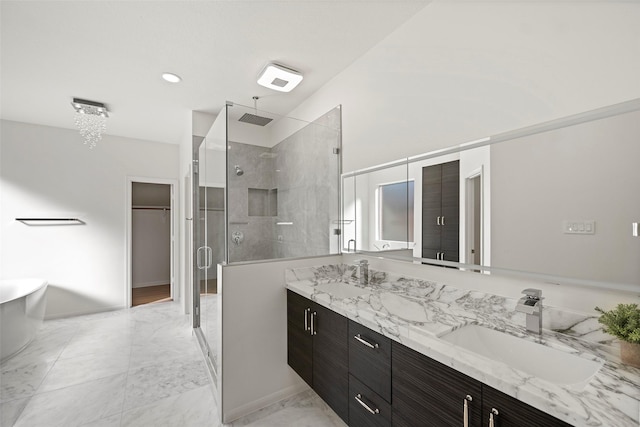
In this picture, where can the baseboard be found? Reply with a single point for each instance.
(147, 284)
(256, 405)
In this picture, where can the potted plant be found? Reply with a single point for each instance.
(624, 323)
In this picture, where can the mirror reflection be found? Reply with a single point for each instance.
(559, 199)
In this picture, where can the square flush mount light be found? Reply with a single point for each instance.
(278, 77)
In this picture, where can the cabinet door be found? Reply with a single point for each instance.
(431, 210)
(331, 359)
(428, 393)
(514, 413)
(450, 221)
(299, 340)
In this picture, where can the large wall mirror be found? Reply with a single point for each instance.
(558, 199)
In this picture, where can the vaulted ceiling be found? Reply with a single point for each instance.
(115, 52)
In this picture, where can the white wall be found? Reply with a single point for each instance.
(459, 71)
(254, 370)
(47, 171)
(150, 248)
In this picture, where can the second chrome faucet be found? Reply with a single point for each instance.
(363, 271)
(531, 305)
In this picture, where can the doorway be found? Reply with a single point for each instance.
(473, 219)
(151, 242)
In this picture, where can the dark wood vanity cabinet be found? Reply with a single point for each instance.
(441, 211)
(513, 413)
(369, 377)
(428, 393)
(317, 350)
(371, 381)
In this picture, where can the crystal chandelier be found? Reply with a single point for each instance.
(91, 119)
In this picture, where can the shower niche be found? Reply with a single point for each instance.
(262, 202)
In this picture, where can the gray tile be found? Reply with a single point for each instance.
(10, 411)
(88, 367)
(193, 408)
(151, 383)
(76, 405)
(22, 381)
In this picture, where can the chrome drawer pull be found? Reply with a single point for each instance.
(492, 416)
(365, 406)
(365, 342)
(465, 420)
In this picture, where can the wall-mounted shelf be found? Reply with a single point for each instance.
(50, 221)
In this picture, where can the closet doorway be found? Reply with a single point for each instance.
(151, 242)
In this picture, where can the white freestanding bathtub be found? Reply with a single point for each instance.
(22, 304)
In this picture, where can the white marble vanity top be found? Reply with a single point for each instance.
(417, 312)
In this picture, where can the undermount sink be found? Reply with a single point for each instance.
(547, 363)
(341, 290)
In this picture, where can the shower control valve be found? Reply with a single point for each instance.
(237, 237)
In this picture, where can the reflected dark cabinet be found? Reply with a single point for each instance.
(441, 211)
(318, 351)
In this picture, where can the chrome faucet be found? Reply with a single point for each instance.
(531, 305)
(363, 266)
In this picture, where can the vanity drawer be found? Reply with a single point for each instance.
(370, 359)
(367, 408)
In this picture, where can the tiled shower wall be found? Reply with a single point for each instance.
(304, 171)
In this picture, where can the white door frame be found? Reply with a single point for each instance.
(175, 292)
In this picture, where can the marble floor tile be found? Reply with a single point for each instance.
(194, 408)
(303, 409)
(86, 343)
(112, 421)
(10, 411)
(151, 383)
(22, 381)
(75, 405)
(88, 367)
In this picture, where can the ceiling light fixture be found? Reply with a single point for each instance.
(278, 77)
(171, 78)
(91, 119)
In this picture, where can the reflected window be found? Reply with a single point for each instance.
(395, 211)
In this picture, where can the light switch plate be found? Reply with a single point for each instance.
(579, 227)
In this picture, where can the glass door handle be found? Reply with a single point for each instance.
(199, 257)
(209, 256)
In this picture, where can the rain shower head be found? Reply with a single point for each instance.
(239, 171)
(255, 119)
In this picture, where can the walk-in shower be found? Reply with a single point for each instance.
(260, 192)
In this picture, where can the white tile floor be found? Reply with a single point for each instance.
(135, 367)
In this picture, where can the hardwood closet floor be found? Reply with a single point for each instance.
(150, 294)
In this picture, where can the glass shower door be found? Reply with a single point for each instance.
(209, 237)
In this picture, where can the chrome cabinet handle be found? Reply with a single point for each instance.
(365, 342)
(375, 411)
(442, 222)
(492, 417)
(438, 220)
(465, 419)
(313, 323)
(306, 319)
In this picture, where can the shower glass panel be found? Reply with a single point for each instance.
(209, 224)
(283, 185)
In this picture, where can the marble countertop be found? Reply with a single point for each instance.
(417, 312)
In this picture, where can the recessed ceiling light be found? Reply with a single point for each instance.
(279, 77)
(171, 78)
